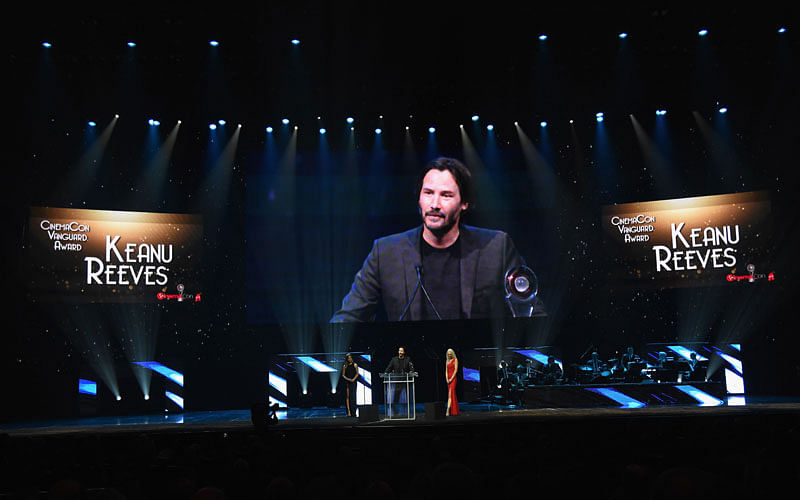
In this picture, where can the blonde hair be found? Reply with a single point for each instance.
(449, 351)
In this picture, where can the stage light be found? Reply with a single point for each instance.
(295, 127)
(116, 116)
(703, 32)
(542, 37)
(407, 127)
(490, 127)
(572, 121)
(623, 35)
(305, 391)
(212, 126)
(542, 124)
(131, 44)
(285, 121)
(322, 131)
(146, 397)
(333, 390)
(460, 125)
(378, 131)
(723, 110)
(475, 118)
(179, 122)
(295, 41)
(661, 112)
(781, 30)
(269, 130)
(238, 125)
(350, 119)
(213, 43)
(516, 124)
(156, 123)
(222, 122)
(47, 45)
(119, 398)
(431, 129)
(599, 117)
(92, 124)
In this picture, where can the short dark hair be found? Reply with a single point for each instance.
(460, 173)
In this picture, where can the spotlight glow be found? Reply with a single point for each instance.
(222, 122)
(623, 35)
(475, 118)
(781, 30)
(305, 391)
(661, 112)
(295, 41)
(47, 45)
(119, 398)
(542, 37)
(212, 126)
(490, 127)
(599, 117)
(322, 131)
(542, 124)
(431, 129)
(214, 43)
(131, 44)
(350, 119)
(92, 124)
(146, 397)
(723, 110)
(269, 130)
(378, 131)
(285, 121)
(703, 32)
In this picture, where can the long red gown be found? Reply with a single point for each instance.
(451, 387)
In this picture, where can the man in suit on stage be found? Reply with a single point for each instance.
(461, 267)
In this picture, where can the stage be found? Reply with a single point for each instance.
(326, 418)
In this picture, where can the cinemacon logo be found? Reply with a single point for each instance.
(639, 219)
(73, 226)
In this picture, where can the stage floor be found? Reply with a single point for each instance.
(296, 418)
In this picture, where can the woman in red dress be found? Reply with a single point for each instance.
(451, 372)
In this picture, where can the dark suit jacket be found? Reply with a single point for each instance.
(389, 276)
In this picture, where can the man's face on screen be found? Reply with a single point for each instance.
(440, 201)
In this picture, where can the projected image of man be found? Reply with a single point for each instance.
(442, 269)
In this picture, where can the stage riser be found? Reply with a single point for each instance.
(582, 396)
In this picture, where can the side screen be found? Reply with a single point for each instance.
(77, 255)
(706, 240)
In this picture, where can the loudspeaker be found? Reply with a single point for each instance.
(367, 413)
(258, 415)
(434, 411)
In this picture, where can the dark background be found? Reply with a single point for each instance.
(414, 66)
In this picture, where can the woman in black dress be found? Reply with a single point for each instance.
(350, 374)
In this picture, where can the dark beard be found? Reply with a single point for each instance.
(441, 231)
